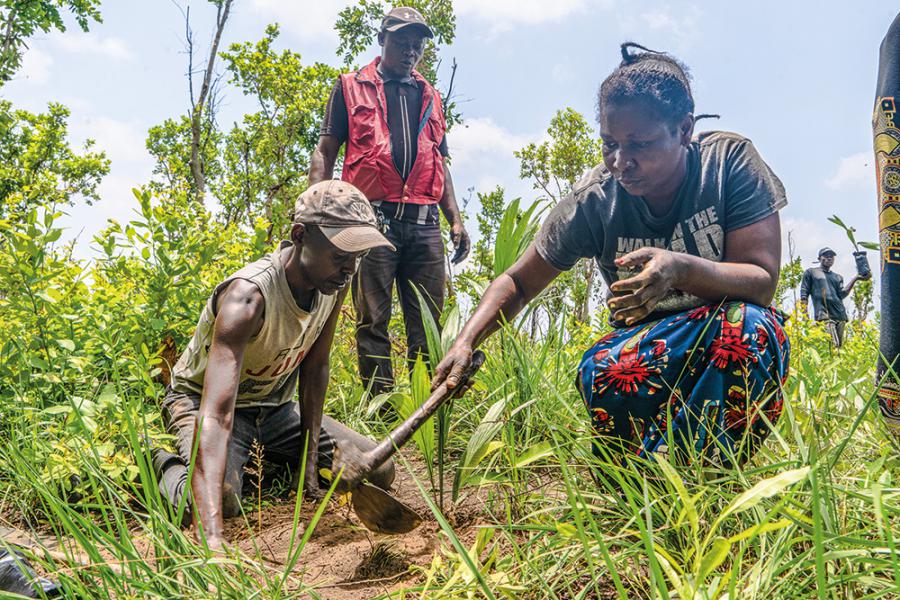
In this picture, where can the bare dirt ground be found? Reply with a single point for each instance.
(344, 560)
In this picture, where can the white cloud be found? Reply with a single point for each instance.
(479, 140)
(123, 141)
(562, 72)
(90, 43)
(309, 20)
(315, 20)
(130, 166)
(504, 13)
(678, 27)
(852, 172)
(35, 66)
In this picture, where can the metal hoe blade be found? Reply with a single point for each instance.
(381, 512)
(376, 508)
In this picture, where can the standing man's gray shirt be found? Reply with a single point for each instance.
(826, 288)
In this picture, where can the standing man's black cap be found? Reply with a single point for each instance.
(826, 251)
(403, 16)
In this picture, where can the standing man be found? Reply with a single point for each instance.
(826, 288)
(262, 343)
(392, 122)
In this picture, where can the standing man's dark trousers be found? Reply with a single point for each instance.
(418, 262)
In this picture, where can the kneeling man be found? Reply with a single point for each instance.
(263, 338)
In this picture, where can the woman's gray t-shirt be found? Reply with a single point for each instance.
(728, 186)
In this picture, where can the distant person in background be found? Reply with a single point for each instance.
(392, 122)
(826, 288)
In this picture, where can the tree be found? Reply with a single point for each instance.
(788, 279)
(202, 112)
(554, 166)
(488, 217)
(862, 299)
(19, 19)
(170, 144)
(266, 157)
(38, 167)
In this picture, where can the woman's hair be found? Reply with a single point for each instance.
(656, 79)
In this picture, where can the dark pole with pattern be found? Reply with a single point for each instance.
(886, 132)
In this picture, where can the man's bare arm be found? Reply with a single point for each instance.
(849, 288)
(502, 301)
(458, 234)
(314, 374)
(239, 317)
(321, 164)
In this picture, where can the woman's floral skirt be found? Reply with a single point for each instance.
(701, 383)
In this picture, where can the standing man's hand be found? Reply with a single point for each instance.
(461, 242)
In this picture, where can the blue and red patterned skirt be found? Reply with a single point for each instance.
(702, 383)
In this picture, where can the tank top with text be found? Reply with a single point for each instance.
(272, 358)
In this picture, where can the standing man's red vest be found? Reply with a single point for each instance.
(368, 163)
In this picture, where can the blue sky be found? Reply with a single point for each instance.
(796, 77)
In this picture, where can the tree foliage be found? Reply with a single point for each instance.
(20, 19)
(266, 156)
(863, 293)
(39, 167)
(170, 145)
(788, 279)
(554, 167)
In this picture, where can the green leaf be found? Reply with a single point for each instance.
(535, 453)
(686, 499)
(432, 332)
(67, 345)
(759, 529)
(479, 445)
(407, 403)
(766, 489)
(567, 530)
(713, 557)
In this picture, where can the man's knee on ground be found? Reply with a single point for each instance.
(231, 502)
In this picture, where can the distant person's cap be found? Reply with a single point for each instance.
(826, 251)
(342, 213)
(403, 16)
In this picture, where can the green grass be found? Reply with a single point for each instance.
(813, 515)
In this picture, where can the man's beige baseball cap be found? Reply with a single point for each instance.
(342, 213)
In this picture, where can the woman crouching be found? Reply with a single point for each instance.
(686, 234)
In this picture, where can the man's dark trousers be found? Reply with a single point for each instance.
(418, 262)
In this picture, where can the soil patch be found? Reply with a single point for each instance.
(342, 558)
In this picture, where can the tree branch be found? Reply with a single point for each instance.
(196, 161)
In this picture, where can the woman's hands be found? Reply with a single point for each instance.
(637, 296)
(451, 369)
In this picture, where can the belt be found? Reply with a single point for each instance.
(421, 214)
